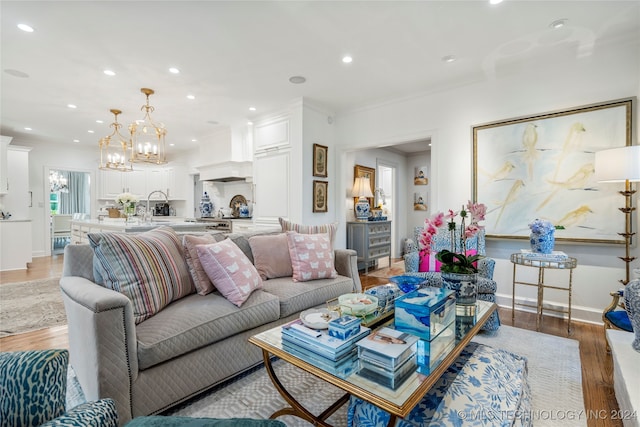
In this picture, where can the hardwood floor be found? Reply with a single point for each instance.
(597, 369)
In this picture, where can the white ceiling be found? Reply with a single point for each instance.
(237, 54)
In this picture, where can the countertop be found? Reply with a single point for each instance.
(14, 220)
(135, 226)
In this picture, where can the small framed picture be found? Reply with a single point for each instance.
(420, 177)
(320, 160)
(320, 189)
(420, 202)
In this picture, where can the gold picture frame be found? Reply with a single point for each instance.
(364, 171)
(320, 196)
(543, 167)
(320, 153)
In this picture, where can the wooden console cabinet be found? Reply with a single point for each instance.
(371, 240)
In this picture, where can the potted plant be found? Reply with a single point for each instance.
(459, 268)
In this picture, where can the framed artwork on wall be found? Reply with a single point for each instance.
(420, 201)
(543, 167)
(320, 189)
(363, 171)
(320, 160)
(420, 176)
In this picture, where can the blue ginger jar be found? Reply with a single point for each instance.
(542, 243)
(206, 206)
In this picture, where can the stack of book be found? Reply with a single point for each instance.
(553, 256)
(387, 357)
(337, 356)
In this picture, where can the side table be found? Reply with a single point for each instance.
(542, 264)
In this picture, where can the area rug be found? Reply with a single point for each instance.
(554, 374)
(27, 306)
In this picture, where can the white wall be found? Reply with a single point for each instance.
(448, 116)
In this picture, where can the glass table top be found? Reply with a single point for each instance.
(469, 320)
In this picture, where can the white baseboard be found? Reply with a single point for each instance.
(578, 313)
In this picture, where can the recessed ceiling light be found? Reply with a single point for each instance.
(213, 122)
(76, 140)
(449, 58)
(174, 70)
(347, 59)
(16, 73)
(172, 144)
(191, 97)
(558, 23)
(297, 80)
(495, 1)
(99, 121)
(250, 123)
(28, 129)
(26, 28)
(194, 140)
(109, 72)
(72, 106)
(90, 131)
(252, 108)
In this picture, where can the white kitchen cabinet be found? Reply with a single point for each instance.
(15, 244)
(141, 182)
(4, 183)
(17, 200)
(272, 178)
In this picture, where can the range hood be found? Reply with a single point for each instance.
(228, 150)
(229, 171)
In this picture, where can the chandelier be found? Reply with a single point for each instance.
(113, 148)
(147, 137)
(57, 182)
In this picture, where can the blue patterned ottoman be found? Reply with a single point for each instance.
(484, 387)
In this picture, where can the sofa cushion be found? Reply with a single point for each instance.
(97, 413)
(33, 385)
(242, 240)
(297, 296)
(149, 268)
(482, 379)
(271, 256)
(311, 256)
(198, 275)
(330, 229)
(229, 270)
(196, 321)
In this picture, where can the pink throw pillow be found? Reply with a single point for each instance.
(229, 270)
(311, 256)
(271, 256)
(200, 279)
(430, 263)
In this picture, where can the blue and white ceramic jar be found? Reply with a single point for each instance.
(542, 243)
(206, 206)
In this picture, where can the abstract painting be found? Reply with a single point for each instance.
(543, 167)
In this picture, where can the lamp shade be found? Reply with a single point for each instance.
(361, 188)
(618, 164)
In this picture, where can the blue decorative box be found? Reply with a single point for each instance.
(425, 312)
(344, 327)
(386, 296)
(430, 353)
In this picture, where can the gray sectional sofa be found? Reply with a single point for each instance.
(189, 346)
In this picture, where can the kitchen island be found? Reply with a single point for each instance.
(80, 228)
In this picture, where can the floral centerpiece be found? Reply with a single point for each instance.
(452, 261)
(128, 202)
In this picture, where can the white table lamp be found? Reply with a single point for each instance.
(621, 165)
(362, 190)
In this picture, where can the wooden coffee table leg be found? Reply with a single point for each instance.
(296, 408)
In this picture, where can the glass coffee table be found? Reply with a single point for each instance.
(398, 402)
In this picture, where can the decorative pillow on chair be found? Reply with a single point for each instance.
(311, 256)
(430, 263)
(330, 229)
(229, 270)
(149, 268)
(200, 279)
(271, 256)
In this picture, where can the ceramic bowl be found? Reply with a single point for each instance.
(317, 318)
(408, 283)
(358, 304)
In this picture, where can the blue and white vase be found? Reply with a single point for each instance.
(464, 285)
(206, 206)
(632, 305)
(542, 243)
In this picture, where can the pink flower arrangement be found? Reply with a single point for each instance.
(475, 212)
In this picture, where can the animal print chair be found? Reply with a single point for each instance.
(442, 240)
(34, 388)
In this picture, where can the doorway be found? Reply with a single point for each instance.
(385, 191)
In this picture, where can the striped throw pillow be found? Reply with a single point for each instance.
(149, 268)
(330, 229)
